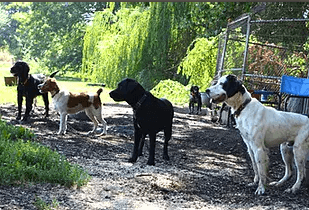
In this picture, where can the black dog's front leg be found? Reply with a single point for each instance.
(191, 105)
(137, 139)
(220, 113)
(141, 145)
(46, 102)
(167, 137)
(199, 105)
(19, 103)
(152, 138)
(29, 102)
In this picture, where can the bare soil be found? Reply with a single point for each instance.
(209, 167)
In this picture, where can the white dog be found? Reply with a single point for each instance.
(263, 127)
(66, 103)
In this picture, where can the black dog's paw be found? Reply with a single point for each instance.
(166, 157)
(18, 117)
(25, 119)
(150, 163)
(132, 160)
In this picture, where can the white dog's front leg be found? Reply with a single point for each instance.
(261, 159)
(254, 166)
(63, 124)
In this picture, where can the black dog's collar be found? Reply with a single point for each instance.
(25, 82)
(139, 103)
(238, 111)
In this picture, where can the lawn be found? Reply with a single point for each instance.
(9, 93)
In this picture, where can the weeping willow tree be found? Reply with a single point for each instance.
(133, 42)
(199, 65)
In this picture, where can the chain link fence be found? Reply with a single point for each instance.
(259, 52)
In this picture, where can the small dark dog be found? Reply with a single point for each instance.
(230, 120)
(195, 97)
(151, 115)
(28, 87)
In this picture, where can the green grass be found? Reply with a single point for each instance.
(23, 160)
(8, 93)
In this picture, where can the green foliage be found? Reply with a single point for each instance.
(4, 19)
(200, 63)
(112, 51)
(42, 205)
(208, 19)
(134, 42)
(283, 33)
(148, 41)
(52, 32)
(174, 91)
(22, 160)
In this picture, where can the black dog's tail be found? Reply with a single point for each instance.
(53, 74)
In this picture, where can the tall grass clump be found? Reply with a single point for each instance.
(23, 160)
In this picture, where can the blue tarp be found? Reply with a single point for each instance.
(295, 86)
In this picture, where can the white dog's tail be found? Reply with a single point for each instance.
(99, 91)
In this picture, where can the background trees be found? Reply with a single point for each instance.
(49, 32)
(148, 41)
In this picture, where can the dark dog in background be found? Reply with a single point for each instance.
(151, 115)
(28, 87)
(230, 119)
(195, 97)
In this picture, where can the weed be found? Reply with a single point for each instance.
(42, 205)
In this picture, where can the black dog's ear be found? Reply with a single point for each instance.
(191, 90)
(131, 84)
(53, 74)
(232, 77)
(26, 67)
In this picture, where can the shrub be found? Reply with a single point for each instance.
(172, 90)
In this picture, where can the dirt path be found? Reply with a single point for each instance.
(208, 169)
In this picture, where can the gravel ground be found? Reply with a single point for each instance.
(208, 168)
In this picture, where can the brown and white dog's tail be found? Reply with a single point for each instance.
(99, 91)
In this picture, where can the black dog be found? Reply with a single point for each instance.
(230, 120)
(195, 97)
(28, 87)
(151, 115)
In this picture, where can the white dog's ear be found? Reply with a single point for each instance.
(233, 85)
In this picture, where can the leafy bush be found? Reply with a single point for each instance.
(22, 160)
(172, 90)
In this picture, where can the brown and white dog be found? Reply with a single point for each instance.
(263, 127)
(66, 103)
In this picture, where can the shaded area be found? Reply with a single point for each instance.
(208, 166)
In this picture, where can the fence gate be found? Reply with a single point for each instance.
(259, 52)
